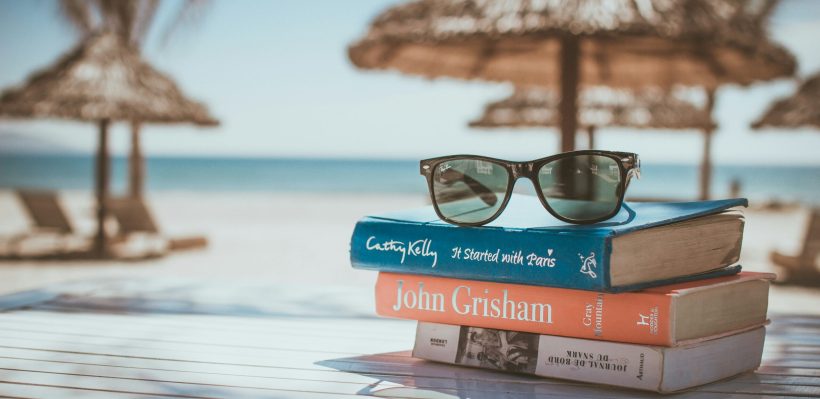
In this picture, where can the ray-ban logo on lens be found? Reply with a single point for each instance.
(444, 167)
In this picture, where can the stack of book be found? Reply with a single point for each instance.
(652, 299)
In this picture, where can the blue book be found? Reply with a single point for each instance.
(646, 244)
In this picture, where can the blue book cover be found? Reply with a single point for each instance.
(525, 245)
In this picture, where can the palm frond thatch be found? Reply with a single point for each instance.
(599, 107)
(130, 19)
(624, 43)
(800, 110)
(104, 78)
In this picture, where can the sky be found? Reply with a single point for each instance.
(276, 74)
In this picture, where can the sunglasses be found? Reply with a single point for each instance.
(576, 187)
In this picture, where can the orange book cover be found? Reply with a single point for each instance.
(643, 317)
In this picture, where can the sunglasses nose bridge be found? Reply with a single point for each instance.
(520, 170)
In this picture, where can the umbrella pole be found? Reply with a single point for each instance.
(591, 137)
(136, 163)
(706, 162)
(103, 166)
(570, 60)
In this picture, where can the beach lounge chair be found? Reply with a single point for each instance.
(134, 219)
(802, 268)
(47, 218)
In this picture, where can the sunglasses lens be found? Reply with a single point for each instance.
(469, 190)
(581, 187)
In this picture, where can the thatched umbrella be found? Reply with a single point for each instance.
(103, 80)
(600, 107)
(802, 109)
(561, 44)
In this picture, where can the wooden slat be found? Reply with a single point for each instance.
(377, 328)
(398, 340)
(792, 371)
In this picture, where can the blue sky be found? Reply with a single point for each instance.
(277, 75)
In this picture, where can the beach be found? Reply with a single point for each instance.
(290, 239)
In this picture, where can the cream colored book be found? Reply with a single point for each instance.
(651, 368)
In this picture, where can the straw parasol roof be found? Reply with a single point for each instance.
(104, 78)
(599, 107)
(800, 110)
(624, 43)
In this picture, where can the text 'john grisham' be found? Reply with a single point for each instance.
(423, 249)
(465, 301)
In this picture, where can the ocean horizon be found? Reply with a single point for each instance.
(314, 175)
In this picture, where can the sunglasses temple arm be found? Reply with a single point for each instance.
(630, 212)
(484, 193)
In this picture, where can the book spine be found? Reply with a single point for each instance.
(625, 365)
(638, 317)
(513, 256)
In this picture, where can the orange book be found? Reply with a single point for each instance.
(666, 316)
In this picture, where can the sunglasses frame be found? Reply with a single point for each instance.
(629, 165)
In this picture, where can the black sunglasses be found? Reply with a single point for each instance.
(576, 187)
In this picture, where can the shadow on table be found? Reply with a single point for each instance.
(165, 296)
(400, 375)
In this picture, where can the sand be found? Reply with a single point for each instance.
(303, 238)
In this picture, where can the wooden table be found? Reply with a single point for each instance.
(176, 339)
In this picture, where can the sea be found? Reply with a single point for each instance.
(220, 174)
